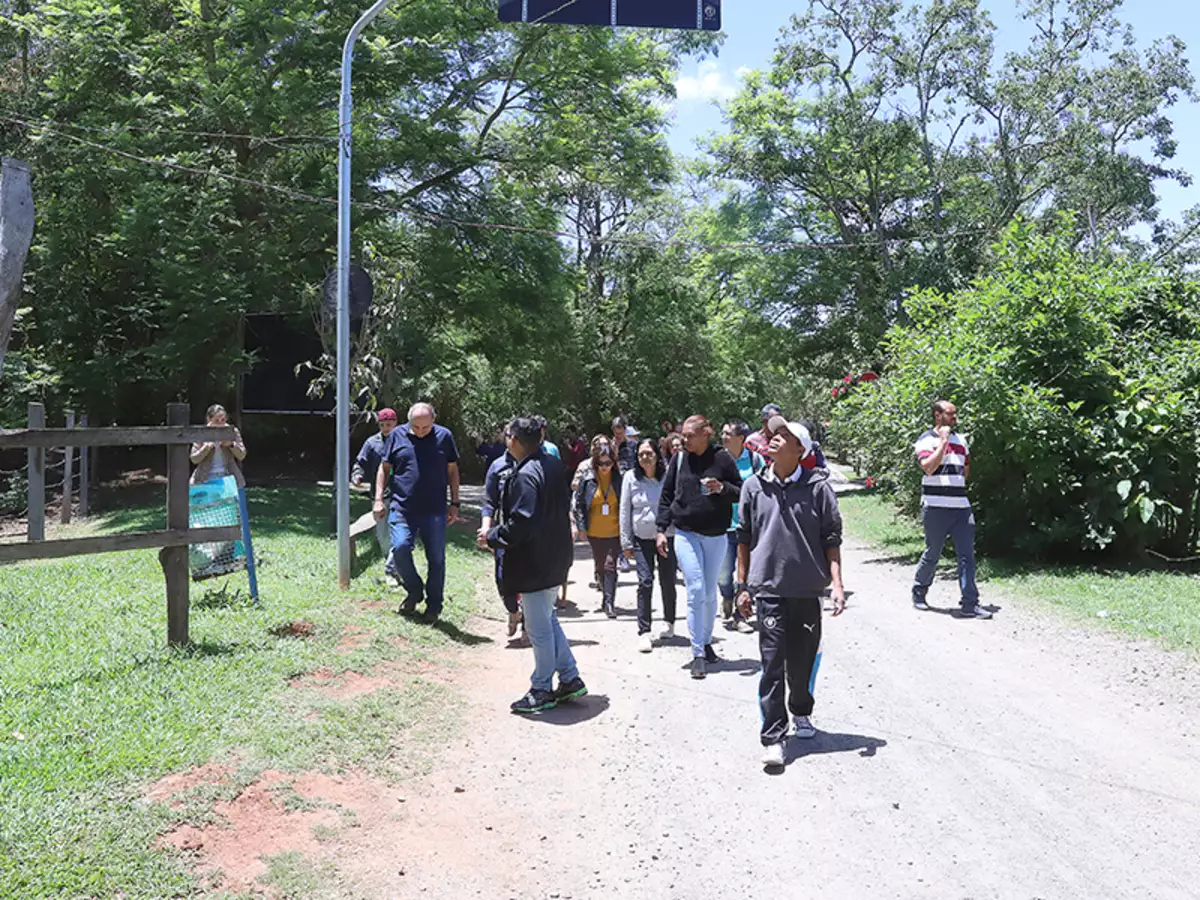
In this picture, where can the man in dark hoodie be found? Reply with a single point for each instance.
(534, 531)
(789, 551)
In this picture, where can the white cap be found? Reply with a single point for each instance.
(777, 423)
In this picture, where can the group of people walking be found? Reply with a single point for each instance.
(752, 520)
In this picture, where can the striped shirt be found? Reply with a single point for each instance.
(946, 487)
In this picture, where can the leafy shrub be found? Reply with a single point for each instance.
(1078, 385)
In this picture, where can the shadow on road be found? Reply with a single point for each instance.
(831, 742)
(576, 711)
(745, 666)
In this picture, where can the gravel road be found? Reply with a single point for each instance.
(1013, 758)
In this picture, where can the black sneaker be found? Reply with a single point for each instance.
(610, 610)
(409, 606)
(571, 690)
(710, 655)
(429, 617)
(920, 604)
(975, 612)
(534, 702)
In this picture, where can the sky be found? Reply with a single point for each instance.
(752, 26)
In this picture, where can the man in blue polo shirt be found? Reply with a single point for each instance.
(425, 513)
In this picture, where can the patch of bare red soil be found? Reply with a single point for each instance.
(256, 825)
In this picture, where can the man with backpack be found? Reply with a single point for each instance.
(749, 462)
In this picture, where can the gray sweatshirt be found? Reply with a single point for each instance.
(639, 508)
(788, 527)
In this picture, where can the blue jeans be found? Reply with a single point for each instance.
(551, 652)
(431, 529)
(700, 559)
(728, 566)
(958, 525)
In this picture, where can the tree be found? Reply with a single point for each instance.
(895, 136)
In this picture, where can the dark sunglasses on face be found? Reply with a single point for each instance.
(606, 464)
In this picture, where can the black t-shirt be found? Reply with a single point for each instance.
(686, 506)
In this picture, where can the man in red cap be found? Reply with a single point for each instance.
(366, 465)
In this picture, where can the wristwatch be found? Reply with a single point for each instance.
(455, 503)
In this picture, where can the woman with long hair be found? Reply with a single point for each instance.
(597, 505)
(641, 490)
(701, 486)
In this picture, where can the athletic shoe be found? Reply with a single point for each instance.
(534, 702)
(645, 643)
(668, 632)
(976, 612)
(744, 627)
(919, 603)
(710, 655)
(804, 728)
(772, 757)
(699, 669)
(610, 610)
(572, 690)
(430, 617)
(514, 620)
(727, 611)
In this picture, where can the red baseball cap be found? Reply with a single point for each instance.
(387, 414)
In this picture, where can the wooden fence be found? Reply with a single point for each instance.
(177, 435)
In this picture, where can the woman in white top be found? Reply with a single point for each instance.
(640, 492)
(213, 460)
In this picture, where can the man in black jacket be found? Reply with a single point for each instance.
(535, 535)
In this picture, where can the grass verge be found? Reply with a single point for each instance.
(1144, 603)
(94, 706)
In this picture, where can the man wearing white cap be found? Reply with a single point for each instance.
(789, 551)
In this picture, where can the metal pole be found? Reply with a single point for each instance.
(342, 475)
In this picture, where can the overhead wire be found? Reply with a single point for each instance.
(637, 241)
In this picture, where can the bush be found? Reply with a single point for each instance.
(1078, 386)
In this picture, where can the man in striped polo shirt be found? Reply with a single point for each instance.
(946, 512)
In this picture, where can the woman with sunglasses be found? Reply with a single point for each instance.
(640, 492)
(597, 504)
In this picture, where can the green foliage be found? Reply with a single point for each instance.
(94, 706)
(898, 132)
(1078, 384)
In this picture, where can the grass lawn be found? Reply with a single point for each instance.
(1145, 603)
(93, 706)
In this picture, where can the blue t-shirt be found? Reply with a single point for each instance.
(551, 448)
(434, 452)
(399, 454)
(747, 465)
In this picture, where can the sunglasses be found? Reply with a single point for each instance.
(606, 464)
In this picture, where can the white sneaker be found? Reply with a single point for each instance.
(668, 632)
(645, 643)
(772, 757)
(804, 728)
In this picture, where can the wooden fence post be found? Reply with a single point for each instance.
(36, 476)
(85, 472)
(68, 484)
(174, 560)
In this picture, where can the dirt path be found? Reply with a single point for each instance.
(1016, 758)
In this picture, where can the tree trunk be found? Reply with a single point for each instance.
(16, 233)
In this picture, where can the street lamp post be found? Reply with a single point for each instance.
(342, 475)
